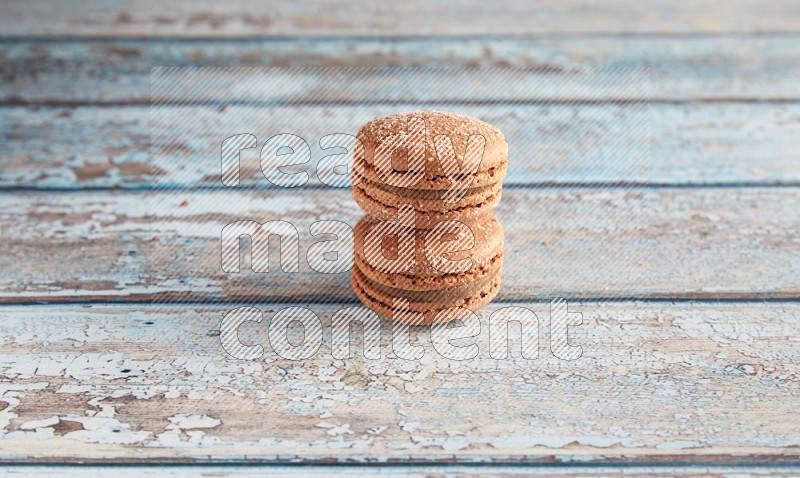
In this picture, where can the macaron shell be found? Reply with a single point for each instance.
(426, 304)
(412, 283)
(384, 205)
(458, 128)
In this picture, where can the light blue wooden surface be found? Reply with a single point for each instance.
(709, 213)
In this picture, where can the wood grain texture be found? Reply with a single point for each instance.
(706, 388)
(657, 382)
(412, 471)
(571, 242)
(681, 68)
(413, 17)
(691, 144)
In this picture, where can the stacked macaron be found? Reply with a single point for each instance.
(429, 245)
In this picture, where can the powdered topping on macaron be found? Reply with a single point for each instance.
(455, 135)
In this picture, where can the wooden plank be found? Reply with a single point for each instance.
(414, 17)
(691, 144)
(657, 382)
(681, 68)
(414, 471)
(571, 242)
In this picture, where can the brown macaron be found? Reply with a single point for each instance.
(455, 264)
(446, 166)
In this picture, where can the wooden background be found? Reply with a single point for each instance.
(693, 366)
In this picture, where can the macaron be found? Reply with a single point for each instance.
(456, 264)
(444, 165)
